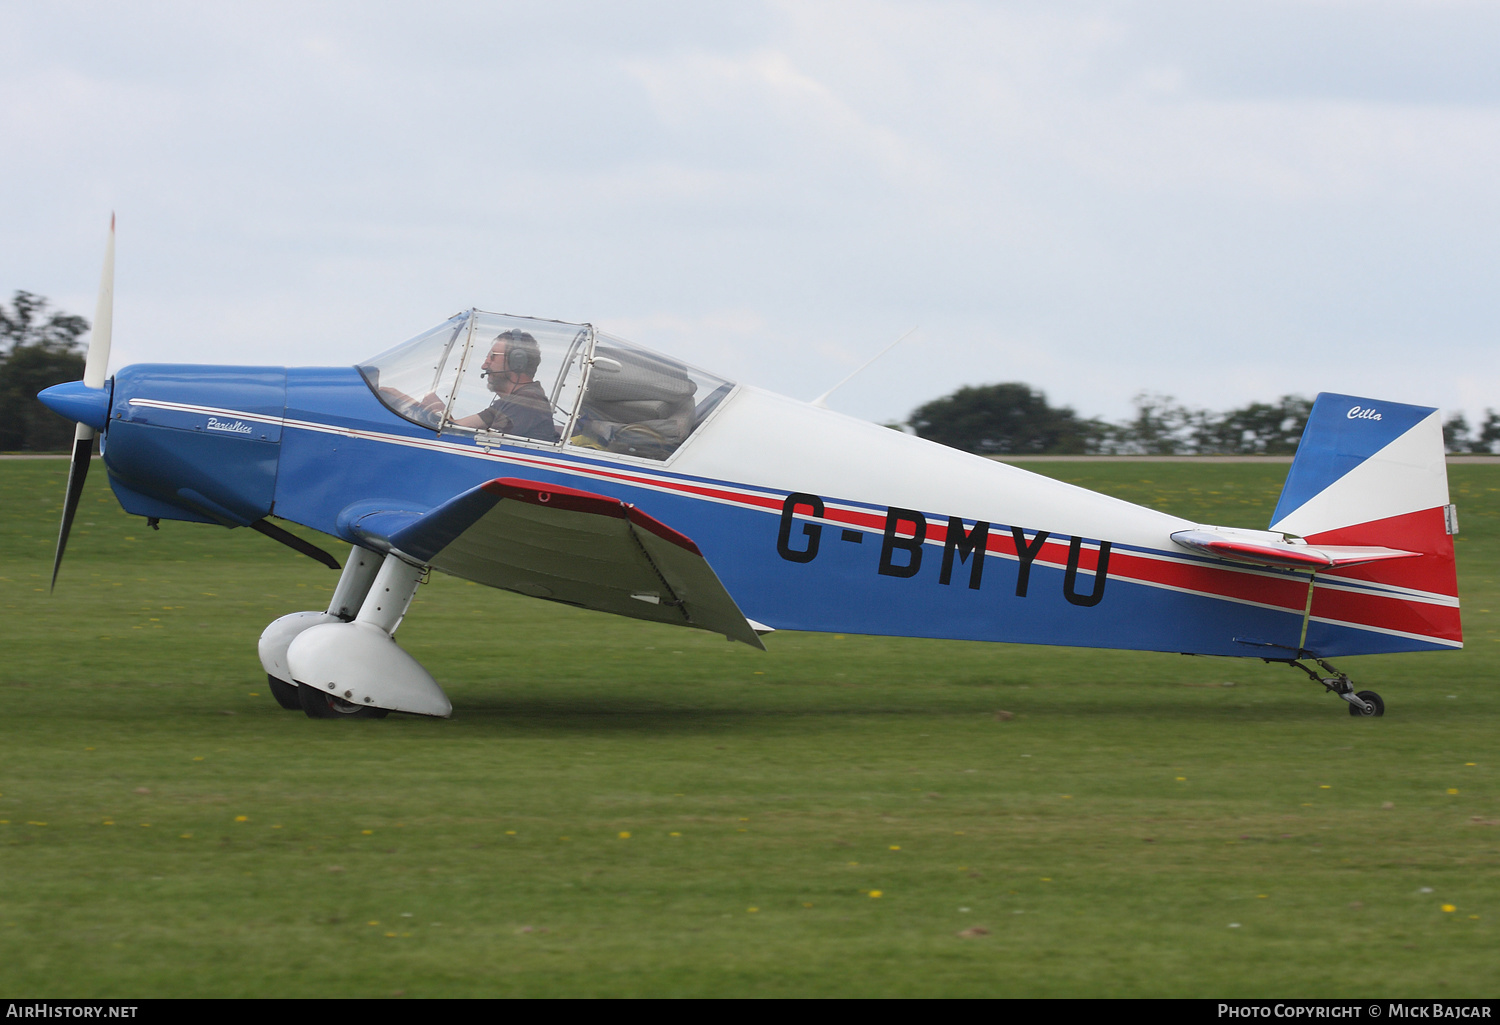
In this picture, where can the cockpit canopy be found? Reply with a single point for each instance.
(492, 378)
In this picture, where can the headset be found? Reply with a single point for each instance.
(522, 354)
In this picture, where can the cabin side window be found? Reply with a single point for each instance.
(640, 403)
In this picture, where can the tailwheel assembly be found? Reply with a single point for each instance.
(1363, 703)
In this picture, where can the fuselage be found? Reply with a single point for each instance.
(812, 520)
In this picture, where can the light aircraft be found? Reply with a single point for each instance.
(557, 461)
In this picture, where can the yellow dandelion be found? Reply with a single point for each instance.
(510, 832)
(624, 835)
(1449, 908)
(242, 818)
(1182, 779)
(1453, 790)
(895, 847)
(808, 904)
(185, 836)
(877, 893)
(1324, 786)
(752, 910)
(674, 834)
(367, 832)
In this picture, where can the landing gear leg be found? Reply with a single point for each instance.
(1363, 703)
(353, 586)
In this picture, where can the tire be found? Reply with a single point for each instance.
(285, 693)
(1371, 697)
(319, 705)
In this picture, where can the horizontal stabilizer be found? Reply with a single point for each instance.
(571, 546)
(1263, 549)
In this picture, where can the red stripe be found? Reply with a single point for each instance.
(1275, 590)
(556, 496)
(1388, 613)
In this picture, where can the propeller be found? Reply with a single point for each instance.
(95, 369)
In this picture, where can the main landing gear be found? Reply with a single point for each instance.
(344, 663)
(1363, 703)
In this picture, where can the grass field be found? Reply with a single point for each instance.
(620, 809)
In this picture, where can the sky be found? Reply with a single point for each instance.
(1222, 202)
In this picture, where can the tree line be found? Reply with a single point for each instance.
(39, 347)
(1016, 419)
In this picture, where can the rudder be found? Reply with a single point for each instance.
(1375, 473)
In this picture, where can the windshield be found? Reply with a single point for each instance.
(482, 375)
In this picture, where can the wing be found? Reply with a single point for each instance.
(565, 545)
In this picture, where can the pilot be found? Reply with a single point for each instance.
(520, 407)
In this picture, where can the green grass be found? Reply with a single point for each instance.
(1121, 824)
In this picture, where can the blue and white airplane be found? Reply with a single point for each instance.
(557, 461)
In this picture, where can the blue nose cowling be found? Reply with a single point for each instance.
(79, 403)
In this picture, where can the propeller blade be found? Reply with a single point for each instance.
(96, 363)
(95, 371)
(78, 472)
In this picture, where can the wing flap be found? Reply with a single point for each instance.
(571, 546)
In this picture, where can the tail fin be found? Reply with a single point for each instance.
(1374, 473)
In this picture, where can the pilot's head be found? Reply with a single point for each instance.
(512, 361)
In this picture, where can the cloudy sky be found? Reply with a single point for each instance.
(1222, 201)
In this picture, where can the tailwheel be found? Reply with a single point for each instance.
(321, 705)
(1373, 705)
